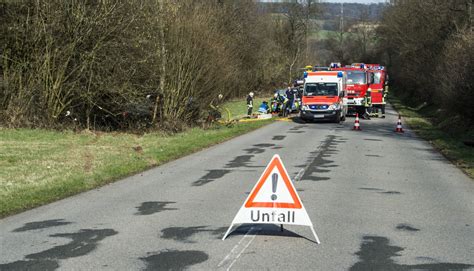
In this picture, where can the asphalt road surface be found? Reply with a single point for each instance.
(378, 201)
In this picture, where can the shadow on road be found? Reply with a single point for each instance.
(266, 230)
(376, 253)
(82, 243)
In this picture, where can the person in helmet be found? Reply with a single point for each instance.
(281, 101)
(250, 103)
(274, 107)
(215, 112)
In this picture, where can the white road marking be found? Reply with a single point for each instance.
(300, 174)
(236, 252)
(303, 170)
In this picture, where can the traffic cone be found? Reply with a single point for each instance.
(399, 128)
(356, 123)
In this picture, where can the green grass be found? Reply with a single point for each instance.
(41, 166)
(238, 107)
(326, 34)
(425, 122)
(321, 34)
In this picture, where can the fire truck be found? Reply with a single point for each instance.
(378, 86)
(357, 85)
(323, 96)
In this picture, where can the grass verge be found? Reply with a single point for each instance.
(41, 166)
(427, 123)
(238, 108)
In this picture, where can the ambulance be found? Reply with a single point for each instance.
(323, 96)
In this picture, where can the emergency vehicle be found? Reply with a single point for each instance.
(357, 85)
(359, 65)
(306, 69)
(334, 65)
(320, 68)
(378, 85)
(323, 96)
(372, 66)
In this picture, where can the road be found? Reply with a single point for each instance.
(378, 201)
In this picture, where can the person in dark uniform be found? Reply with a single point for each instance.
(291, 99)
(368, 104)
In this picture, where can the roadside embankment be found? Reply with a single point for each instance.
(452, 136)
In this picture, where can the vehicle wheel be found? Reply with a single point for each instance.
(338, 119)
(343, 117)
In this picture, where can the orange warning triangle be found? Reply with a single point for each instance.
(275, 163)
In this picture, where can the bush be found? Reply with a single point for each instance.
(428, 47)
(129, 64)
(455, 89)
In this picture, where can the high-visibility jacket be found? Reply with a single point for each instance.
(368, 98)
(385, 92)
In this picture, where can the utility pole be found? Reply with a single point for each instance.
(342, 18)
(469, 10)
(341, 30)
(308, 10)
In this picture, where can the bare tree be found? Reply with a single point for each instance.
(429, 47)
(133, 64)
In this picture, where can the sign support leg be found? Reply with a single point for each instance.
(315, 235)
(227, 232)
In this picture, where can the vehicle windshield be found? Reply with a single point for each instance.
(320, 89)
(356, 78)
(377, 77)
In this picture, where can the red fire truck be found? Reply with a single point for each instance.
(357, 84)
(378, 87)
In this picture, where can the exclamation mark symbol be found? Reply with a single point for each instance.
(274, 185)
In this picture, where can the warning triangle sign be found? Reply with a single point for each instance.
(273, 200)
(274, 189)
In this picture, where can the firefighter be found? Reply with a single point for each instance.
(215, 112)
(250, 103)
(385, 92)
(368, 104)
(291, 99)
(282, 103)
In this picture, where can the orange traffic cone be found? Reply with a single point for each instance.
(356, 123)
(399, 128)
